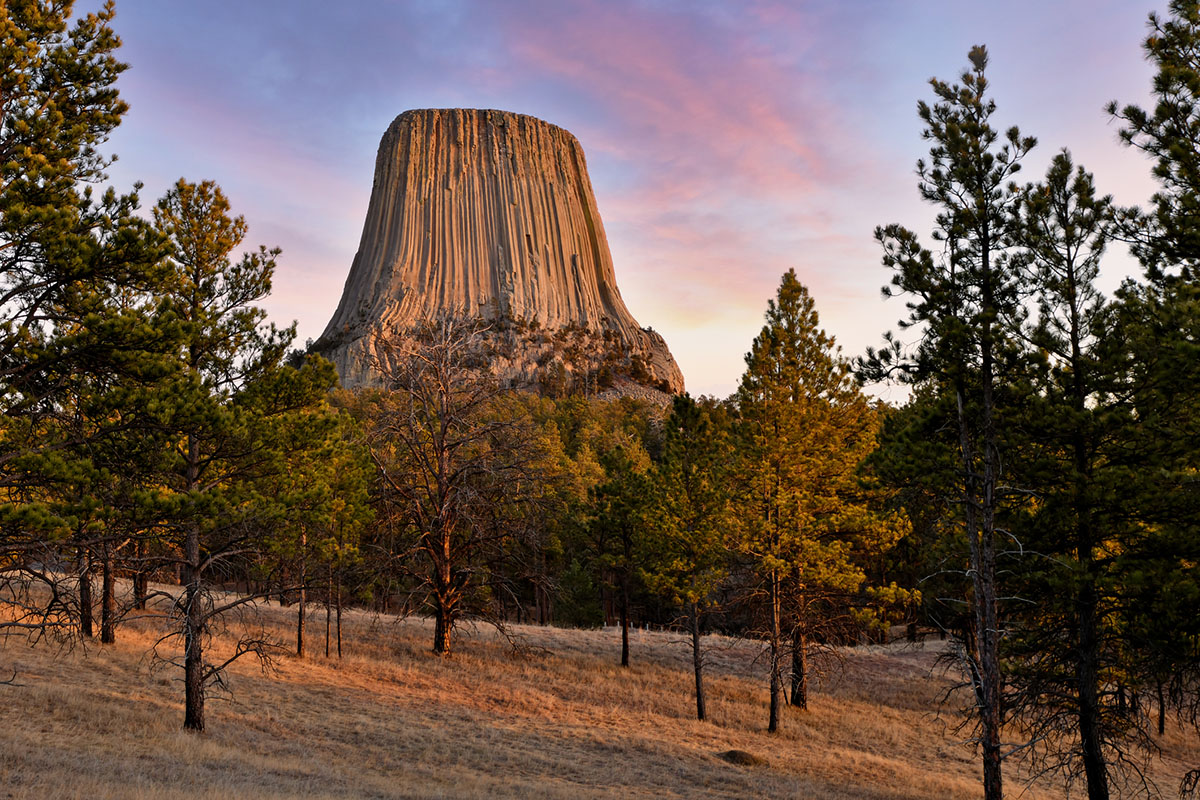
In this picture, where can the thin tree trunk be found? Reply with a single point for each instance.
(985, 575)
(1162, 710)
(300, 624)
(697, 661)
(442, 597)
(799, 669)
(193, 628)
(141, 580)
(1088, 655)
(339, 617)
(987, 688)
(627, 552)
(193, 612)
(776, 636)
(328, 604)
(303, 593)
(108, 598)
(624, 626)
(1087, 662)
(85, 593)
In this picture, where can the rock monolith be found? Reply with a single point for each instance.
(490, 214)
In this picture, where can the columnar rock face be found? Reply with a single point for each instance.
(490, 214)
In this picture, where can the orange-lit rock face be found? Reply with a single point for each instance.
(484, 213)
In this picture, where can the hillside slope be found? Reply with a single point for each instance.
(391, 720)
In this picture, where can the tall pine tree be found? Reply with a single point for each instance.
(232, 417)
(963, 303)
(69, 261)
(802, 429)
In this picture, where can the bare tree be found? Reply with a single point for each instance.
(459, 463)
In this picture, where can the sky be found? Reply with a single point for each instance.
(726, 141)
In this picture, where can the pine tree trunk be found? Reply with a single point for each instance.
(1087, 666)
(328, 607)
(85, 593)
(141, 580)
(697, 661)
(982, 557)
(1162, 710)
(108, 598)
(985, 579)
(627, 566)
(624, 626)
(1087, 675)
(303, 593)
(776, 667)
(193, 611)
(193, 629)
(339, 617)
(141, 589)
(1088, 656)
(799, 669)
(300, 623)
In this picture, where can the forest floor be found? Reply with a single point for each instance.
(563, 720)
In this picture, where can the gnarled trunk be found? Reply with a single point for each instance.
(443, 622)
(445, 594)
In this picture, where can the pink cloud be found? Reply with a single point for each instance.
(705, 103)
(727, 142)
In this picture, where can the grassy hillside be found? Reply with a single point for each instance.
(392, 720)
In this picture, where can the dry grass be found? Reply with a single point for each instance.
(392, 720)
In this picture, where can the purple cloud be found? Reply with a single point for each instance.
(726, 142)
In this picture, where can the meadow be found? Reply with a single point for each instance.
(559, 719)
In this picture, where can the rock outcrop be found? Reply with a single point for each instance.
(491, 214)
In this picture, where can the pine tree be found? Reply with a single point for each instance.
(684, 550)
(1160, 325)
(229, 417)
(803, 427)
(69, 262)
(1168, 240)
(965, 303)
(617, 528)
(1063, 651)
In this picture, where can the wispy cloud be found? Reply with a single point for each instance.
(726, 142)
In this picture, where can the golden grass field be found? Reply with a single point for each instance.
(392, 720)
